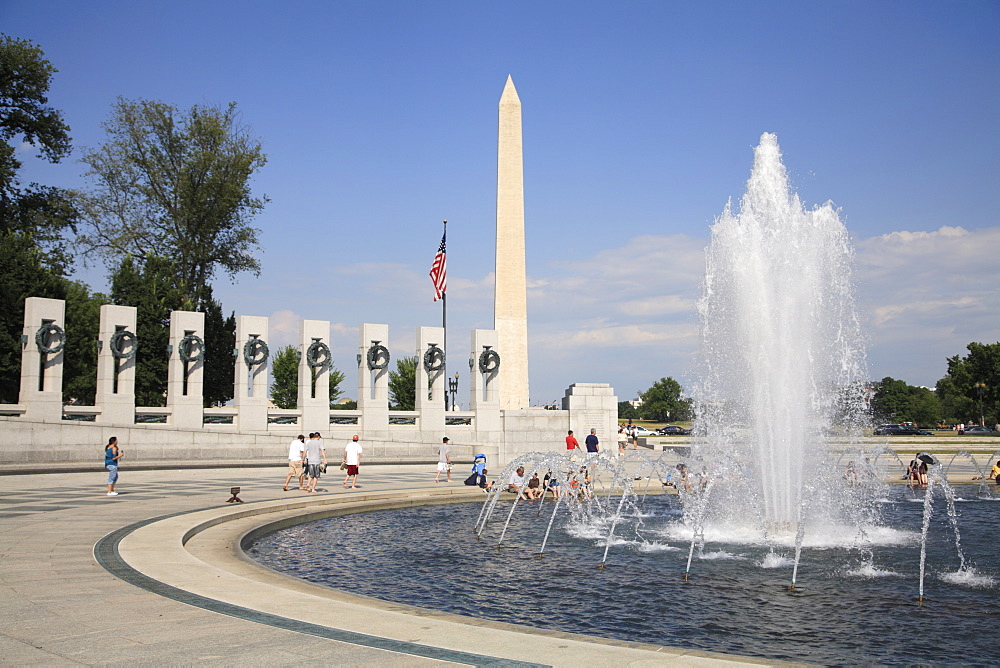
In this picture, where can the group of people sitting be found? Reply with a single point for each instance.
(916, 473)
(855, 474)
(680, 479)
(575, 485)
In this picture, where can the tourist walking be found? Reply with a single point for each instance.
(444, 460)
(592, 442)
(622, 439)
(315, 457)
(352, 458)
(112, 454)
(296, 461)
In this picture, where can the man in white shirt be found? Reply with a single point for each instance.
(444, 460)
(296, 456)
(352, 457)
(516, 482)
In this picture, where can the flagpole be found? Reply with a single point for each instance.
(444, 326)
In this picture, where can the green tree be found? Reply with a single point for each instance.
(403, 384)
(925, 408)
(220, 340)
(971, 389)
(83, 320)
(41, 214)
(285, 380)
(336, 378)
(896, 401)
(153, 289)
(285, 377)
(626, 411)
(890, 402)
(34, 259)
(25, 76)
(174, 184)
(663, 402)
(955, 406)
(22, 275)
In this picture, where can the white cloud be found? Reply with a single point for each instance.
(661, 305)
(885, 315)
(944, 231)
(926, 295)
(620, 336)
(283, 328)
(627, 315)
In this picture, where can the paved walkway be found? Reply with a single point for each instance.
(62, 607)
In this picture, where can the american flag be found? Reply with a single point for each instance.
(439, 274)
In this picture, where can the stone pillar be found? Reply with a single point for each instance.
(485, 394)
(116, 361)
(432, 408)
(593, 406)
(42, 373)
(250, 385)
(314, 398)
(510, 295)
(185, 378)
(373, 385)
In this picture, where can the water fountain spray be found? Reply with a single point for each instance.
(782, 358)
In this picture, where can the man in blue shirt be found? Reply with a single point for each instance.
(592, 441)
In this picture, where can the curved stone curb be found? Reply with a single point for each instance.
(197, 558)
(107, 555)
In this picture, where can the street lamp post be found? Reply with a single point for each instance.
(453, 388)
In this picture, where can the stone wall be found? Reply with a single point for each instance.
(36, 444)
(40, 432)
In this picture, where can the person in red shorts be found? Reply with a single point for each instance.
(352, 458)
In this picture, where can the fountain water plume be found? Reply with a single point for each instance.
(782, 359)
(982, 473)
(781, 401)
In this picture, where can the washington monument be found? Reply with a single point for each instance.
(510, 295)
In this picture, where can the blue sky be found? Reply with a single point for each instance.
(379, 120)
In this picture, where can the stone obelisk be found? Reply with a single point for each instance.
(510, 296)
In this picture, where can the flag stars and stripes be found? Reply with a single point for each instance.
(439, 273)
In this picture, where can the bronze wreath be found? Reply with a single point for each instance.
(489, 361)
(378, 357)
(184, 348)
(119, 340)
(251, 349)
(43, 334)
(433, 359)
(318, 355)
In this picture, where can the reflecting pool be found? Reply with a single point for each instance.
(849, 605)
